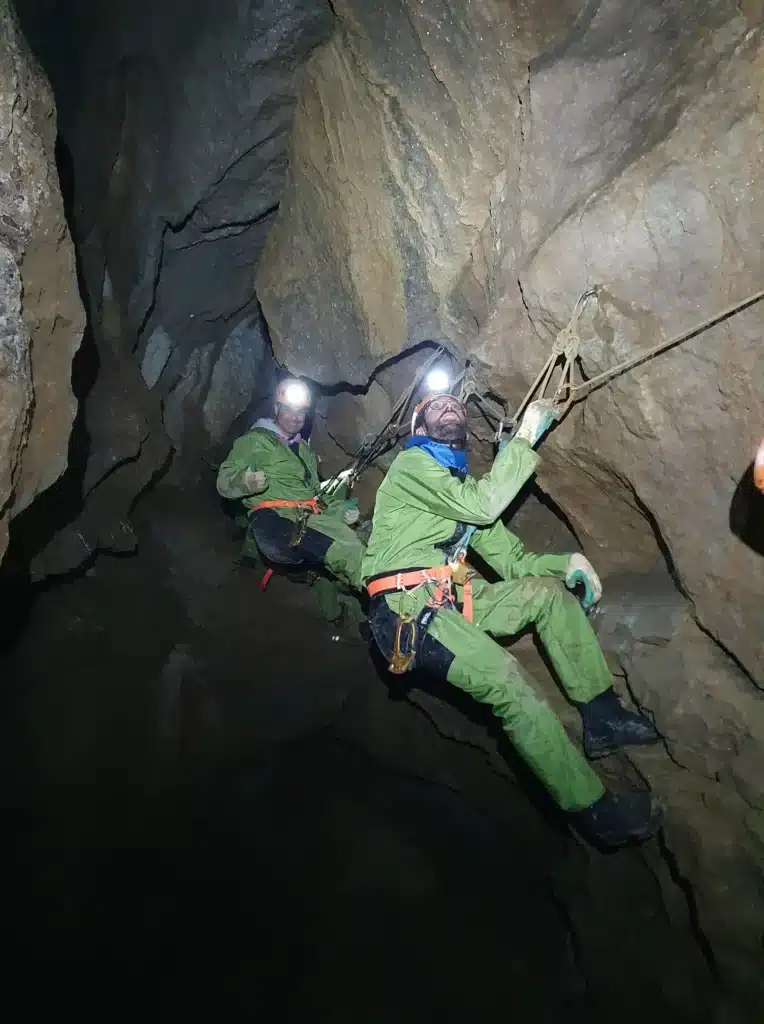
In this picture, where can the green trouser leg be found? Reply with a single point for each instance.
(327, 598)
(333, 602)
(504, 609)
(492, 676)
(344, 557)
(249, 548)
(343, 560)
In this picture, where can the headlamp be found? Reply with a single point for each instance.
(438, 382)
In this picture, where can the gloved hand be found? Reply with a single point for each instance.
(350, 512)
(580, 570)
(254, 481)
(537, 419)
(336, 481)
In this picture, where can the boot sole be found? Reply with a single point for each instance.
(651, 829)
(595, 755)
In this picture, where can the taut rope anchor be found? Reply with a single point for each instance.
(567, 345)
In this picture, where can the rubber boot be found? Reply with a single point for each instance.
(618, 819)
(608, 725)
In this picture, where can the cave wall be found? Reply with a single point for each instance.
(468, 175)
(42, 316)
(463, 173)
(174, 131)
(192, 115)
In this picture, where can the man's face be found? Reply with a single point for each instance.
(445, 419)
(291, 421)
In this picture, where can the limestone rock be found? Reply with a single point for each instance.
(42, 317)
(463, 174)
(158, 350)
(241, 374)
(118, 445)
(437, 166)
(187, 392)
(178, 127)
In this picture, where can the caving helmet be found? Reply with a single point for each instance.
(294, 394)
(438, 385)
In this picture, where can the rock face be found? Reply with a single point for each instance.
(42, 317)
(175, 129)
(178, 128)
(463, 173)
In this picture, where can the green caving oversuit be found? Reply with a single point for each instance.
(418, 506)
(294, 477)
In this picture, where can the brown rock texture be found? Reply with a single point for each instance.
(40, 310)
(463, 172)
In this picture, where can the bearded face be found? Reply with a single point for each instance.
(445, 419)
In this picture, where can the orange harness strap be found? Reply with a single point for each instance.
(310, 503)
(440, 574)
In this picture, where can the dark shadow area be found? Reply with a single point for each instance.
(157, 854)
(746, 517)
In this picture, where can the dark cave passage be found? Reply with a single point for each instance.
(216, 802)
(196, 820)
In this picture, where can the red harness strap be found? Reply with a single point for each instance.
(310, 503)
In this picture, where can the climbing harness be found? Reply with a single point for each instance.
(566, 348)
(461, 573)
(439, 581)
(312, 505)
(402, 657)
(309, 507)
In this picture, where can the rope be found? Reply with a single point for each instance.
(583, 389)
(385, 438)
(567, 345)
(567, 392)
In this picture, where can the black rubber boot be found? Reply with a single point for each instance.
(608, 725)
(618, 819)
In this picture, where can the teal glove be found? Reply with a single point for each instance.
(350, 512)
(580, 570)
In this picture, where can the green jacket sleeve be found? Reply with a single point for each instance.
(505, 553)
(478, 502)
(230, 475)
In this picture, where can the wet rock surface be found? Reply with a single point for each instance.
(42, 316)
(472, 174)
(177, 130)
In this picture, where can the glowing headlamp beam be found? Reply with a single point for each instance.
(438, 382)
(297, 396)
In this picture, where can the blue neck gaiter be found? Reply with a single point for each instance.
(450, 458)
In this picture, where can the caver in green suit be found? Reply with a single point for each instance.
(419, 505)
(423, 507)
(291, 474)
